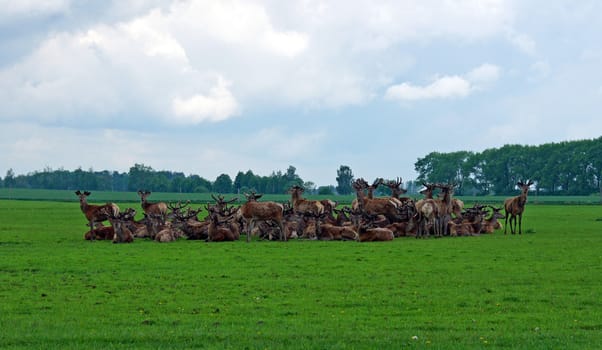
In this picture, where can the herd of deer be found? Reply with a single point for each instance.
(368, 218)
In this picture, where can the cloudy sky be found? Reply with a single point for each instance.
(208, 87)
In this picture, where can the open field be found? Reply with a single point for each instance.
(541, 290)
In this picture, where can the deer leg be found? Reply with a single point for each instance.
(92, 235)
(282, 232)
(506, 223)
(520, 224)
(250, 225)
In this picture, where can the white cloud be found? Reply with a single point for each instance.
(218, 105)
(484, 74)
(449, 86)
(444, 87)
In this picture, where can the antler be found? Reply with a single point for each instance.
(377, 181)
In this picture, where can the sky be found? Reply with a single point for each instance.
(210, 87)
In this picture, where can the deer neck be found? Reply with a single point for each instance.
(145, 204)
(522, 199)
(83, 204)
(296, 198)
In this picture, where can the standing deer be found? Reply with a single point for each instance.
(428, 212)
(302, 205)
(95, 213)
(515, 206)
(152, 208)
(253, 211)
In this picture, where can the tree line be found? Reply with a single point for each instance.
(564, 168)
(142, 176)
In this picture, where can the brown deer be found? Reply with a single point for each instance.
(253, 211)
(120, 223)
(302, 205)
(388, 207)
(218, 230)
(152, 208)
(366, 229)
(221, 203)
(188, 222)
(428, 211)
(95, 213)
(329, 232)
(491, 223)
(369, 189)
(100, 233)
(515, 206)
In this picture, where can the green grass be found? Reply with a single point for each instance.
(540, 290)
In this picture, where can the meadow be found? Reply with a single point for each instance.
(540, 290)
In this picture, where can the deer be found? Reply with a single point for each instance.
(160, 230)
(491, 223)
(302, 205)
(253, 211)
(366, 230)
(217, 231)
(375, 206)
(428, 211)
(120, 223)
(95, 213)
(445, 207)
(188, 222)
(152, 208)
(329, 232)
(221, 203)
(370, 190)
(396, 190)
(515, 206)
(100, 233)
(408, 226)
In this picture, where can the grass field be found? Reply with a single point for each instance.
(541, 290)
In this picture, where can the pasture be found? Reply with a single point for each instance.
(541, 290)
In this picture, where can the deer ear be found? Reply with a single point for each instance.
(78, 192)
(87, 193)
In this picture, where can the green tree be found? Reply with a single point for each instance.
(223, 184)
(9, 179)
(140, 177)
(326, 190)
(344, 179)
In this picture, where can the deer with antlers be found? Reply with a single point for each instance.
(515, 206)
(253, 211)
(388, 207)
(151, 208)
(120, 223)
(302, 205)
(95, 213)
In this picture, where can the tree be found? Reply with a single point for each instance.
(9, 179)
(139, 177)
(326, 190)
(223, 184)
(344, 179)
